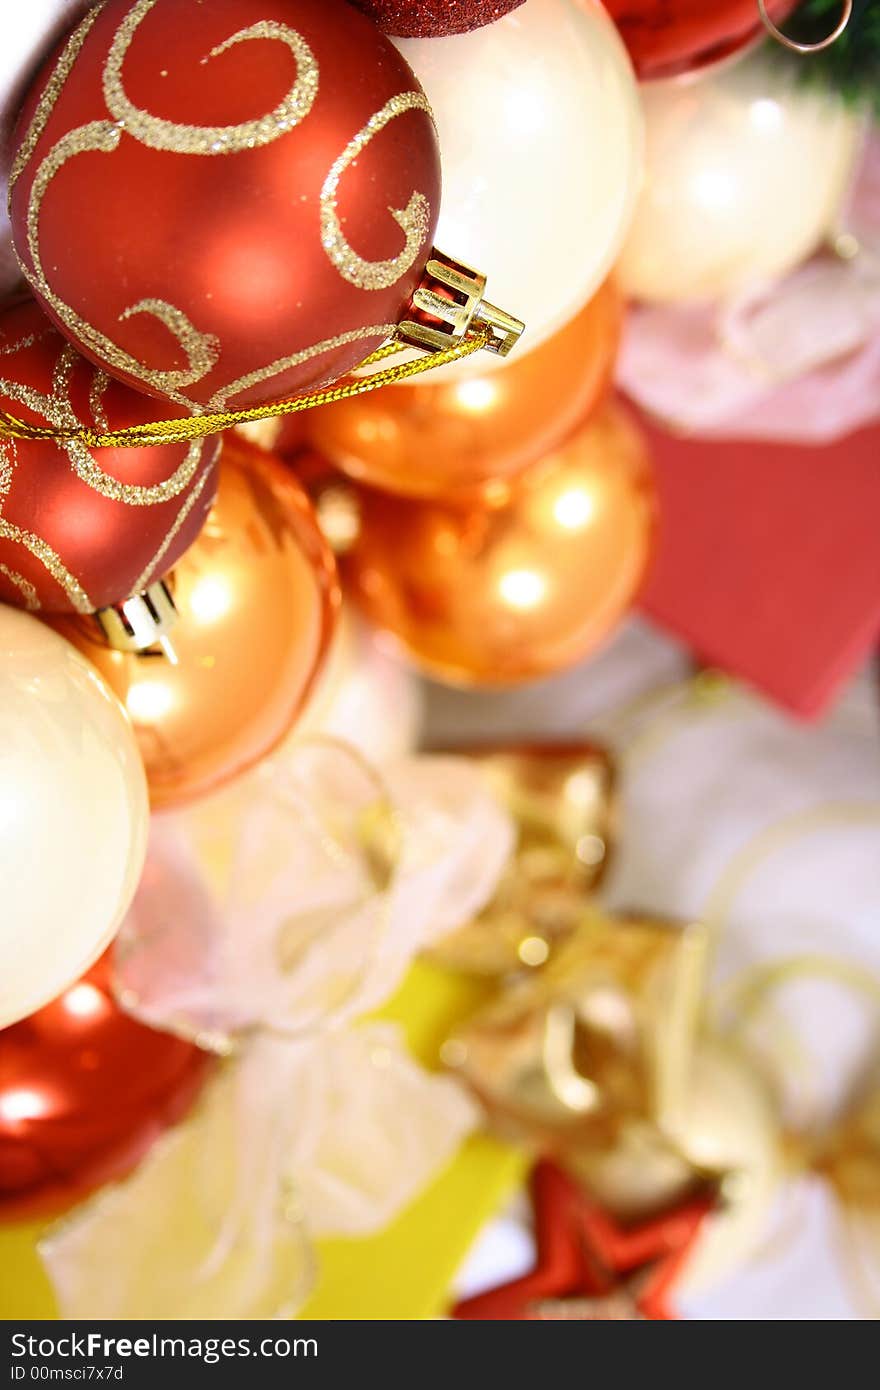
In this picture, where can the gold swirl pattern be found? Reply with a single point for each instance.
(100, 382)
(59, 401)
(211, 140)
(414, 219)
(50, 559)
(50, 409)
(244, 383)
(50, 94)
(58, 411)
(130, 494)
(8, 460)
(150, 570)
(10, 349)
(202, 350)
(24, 587)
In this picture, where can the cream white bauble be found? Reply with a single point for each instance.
(746, 173)
(364, 697)
(541, 133)
(73, 814)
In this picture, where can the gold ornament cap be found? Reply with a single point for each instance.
(142, 621)
(449, 302)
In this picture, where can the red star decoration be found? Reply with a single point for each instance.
(600, 1270)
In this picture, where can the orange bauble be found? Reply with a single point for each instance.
(446, 437)
(257, 597)
(497, 595)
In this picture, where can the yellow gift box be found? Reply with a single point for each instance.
(405, 1271)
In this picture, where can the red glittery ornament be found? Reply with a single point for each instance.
(84, 1091)
(434, 19)
(225, 203)
(82, 528)
(667, 37)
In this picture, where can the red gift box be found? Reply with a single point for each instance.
(768, 561)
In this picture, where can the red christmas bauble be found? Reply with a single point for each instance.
(667, 37)
(225, 203)
(423, 19)
(81, 528)
(84, 1091)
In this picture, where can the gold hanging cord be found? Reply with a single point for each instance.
(199, 426)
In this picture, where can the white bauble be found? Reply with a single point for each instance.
(541, 138)
(364, 697)
(746, 174)
(73, 814)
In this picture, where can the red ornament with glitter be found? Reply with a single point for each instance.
(225, 203)
(668, 37)
(82, 529)
(84, 1092)
(424, 19)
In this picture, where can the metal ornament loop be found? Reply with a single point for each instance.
(777, 34)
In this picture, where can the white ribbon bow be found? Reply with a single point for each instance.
(269, 921)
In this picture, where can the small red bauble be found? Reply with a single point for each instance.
(84, 1091)
(80, 528)
(423, 19)
(225, 203)
(667, 37)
